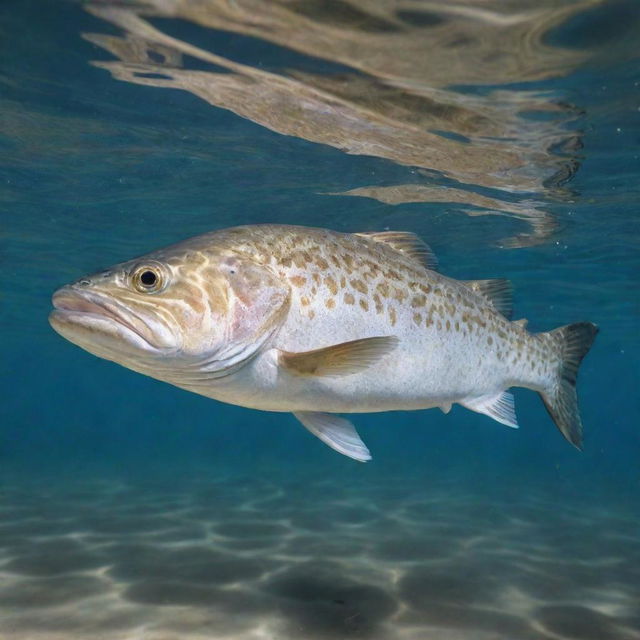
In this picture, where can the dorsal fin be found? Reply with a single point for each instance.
(498, 292)
(407, 243)
(522, 323)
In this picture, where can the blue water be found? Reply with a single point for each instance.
(508, 138)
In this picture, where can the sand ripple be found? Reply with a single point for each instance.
(252, 559)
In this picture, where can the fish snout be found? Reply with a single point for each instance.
(87, 281)
(78, 308)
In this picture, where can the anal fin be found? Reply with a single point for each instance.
(498, 406)
(335, 431)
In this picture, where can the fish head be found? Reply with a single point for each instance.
(173, 313)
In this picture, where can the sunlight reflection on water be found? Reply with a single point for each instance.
(395, 99)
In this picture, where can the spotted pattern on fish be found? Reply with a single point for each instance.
(250, 313)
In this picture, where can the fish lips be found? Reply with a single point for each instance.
(96, 323)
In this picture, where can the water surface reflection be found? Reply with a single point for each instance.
(452, 91)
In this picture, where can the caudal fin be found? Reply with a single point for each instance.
(560, 399)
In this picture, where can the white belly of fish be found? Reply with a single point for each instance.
(418, 375)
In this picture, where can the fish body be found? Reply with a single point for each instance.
(317, 322)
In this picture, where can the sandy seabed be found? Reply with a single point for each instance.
(234, 559)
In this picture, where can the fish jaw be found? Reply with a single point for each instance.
(102, 326)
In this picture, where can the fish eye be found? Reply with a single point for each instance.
(148, 278)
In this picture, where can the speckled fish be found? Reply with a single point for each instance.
(316, 322)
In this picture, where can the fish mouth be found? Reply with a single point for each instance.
(88, 311)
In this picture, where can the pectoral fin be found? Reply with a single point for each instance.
(339, 359)
(335, 431)
(500, 407)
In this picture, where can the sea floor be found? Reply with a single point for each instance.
(249, 559)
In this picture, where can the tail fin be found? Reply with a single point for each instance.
(561, 401)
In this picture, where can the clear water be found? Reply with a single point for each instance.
(505, 134)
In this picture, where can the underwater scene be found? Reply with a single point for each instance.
(441, 201)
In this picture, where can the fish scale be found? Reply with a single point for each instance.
(318, 322)
(347, 297)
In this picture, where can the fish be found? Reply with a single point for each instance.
(320, 323)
